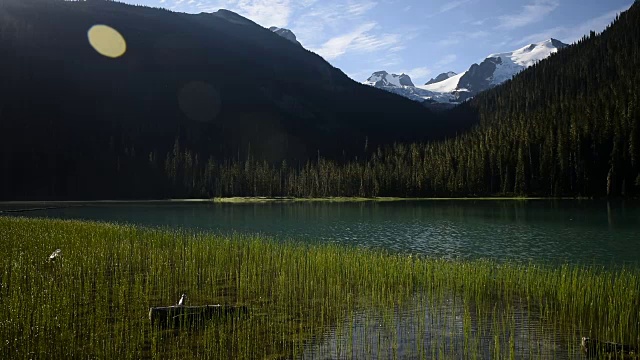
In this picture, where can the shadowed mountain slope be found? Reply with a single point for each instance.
(76, 123)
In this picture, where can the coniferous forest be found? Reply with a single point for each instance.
(567, 126)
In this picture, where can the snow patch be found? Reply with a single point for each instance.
(444, 86)
(515, 61)
(383, 78)
(447, 91)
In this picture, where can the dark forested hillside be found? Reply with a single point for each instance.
(568, 126)
(76, 124)
(285, 123)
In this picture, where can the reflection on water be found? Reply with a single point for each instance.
(554, 231)
(449, 328)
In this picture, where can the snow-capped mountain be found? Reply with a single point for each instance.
(454, 88)
(498, 68)
(402, 85)
(383, 78)
(441, 77)
(285, 33)
(444, 86)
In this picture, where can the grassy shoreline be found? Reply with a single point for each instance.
(376, 199)
(111, 274)
(264, 199)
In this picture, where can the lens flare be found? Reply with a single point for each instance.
(107, 41)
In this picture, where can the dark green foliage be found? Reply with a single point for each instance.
(76, 124)
(568, 126)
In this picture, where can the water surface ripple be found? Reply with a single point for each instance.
(576, 231)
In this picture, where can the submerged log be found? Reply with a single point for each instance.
(594, 347)
(190, 315)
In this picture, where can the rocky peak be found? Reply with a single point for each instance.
(441, 77)
(285, 33)
(383, 79)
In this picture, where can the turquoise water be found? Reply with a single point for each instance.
(576, 231)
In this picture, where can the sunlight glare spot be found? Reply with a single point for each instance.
(107, 41)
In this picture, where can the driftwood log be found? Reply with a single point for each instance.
(192, 315)
(595, 347)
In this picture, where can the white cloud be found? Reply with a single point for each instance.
(450, 5)
(317, 22)
(306, 3)
(396, 48)
(329, 27)
(530, 13)
(572, 34)
(337, 46)
(334, 28)
(266, 12)
(360, 8)
(369, 42)
(360, 40)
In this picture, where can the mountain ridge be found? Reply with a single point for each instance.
(286, 33)
(441, 77)
(216, 84)
(383, 78)
(495, 69)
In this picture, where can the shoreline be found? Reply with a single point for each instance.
(233, 200)
(105, 278)
(49, 204)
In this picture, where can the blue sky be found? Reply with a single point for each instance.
(419, 37)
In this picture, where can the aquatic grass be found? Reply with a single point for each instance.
(264, 199)
(94, 301)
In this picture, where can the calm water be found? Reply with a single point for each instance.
(587, 232)
(551, 231)
(425, 327)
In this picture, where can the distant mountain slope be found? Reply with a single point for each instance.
(447, 86)
(92, 126)
(568, 125)
(285, 33)
(403, 86)
(441, 77)
(498, 68)
(452, 88)
(383, 78)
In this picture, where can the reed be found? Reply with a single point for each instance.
(305, 301)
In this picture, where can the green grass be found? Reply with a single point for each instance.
(259, 199)
(94, 302)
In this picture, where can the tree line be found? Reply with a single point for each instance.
(567, 126)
